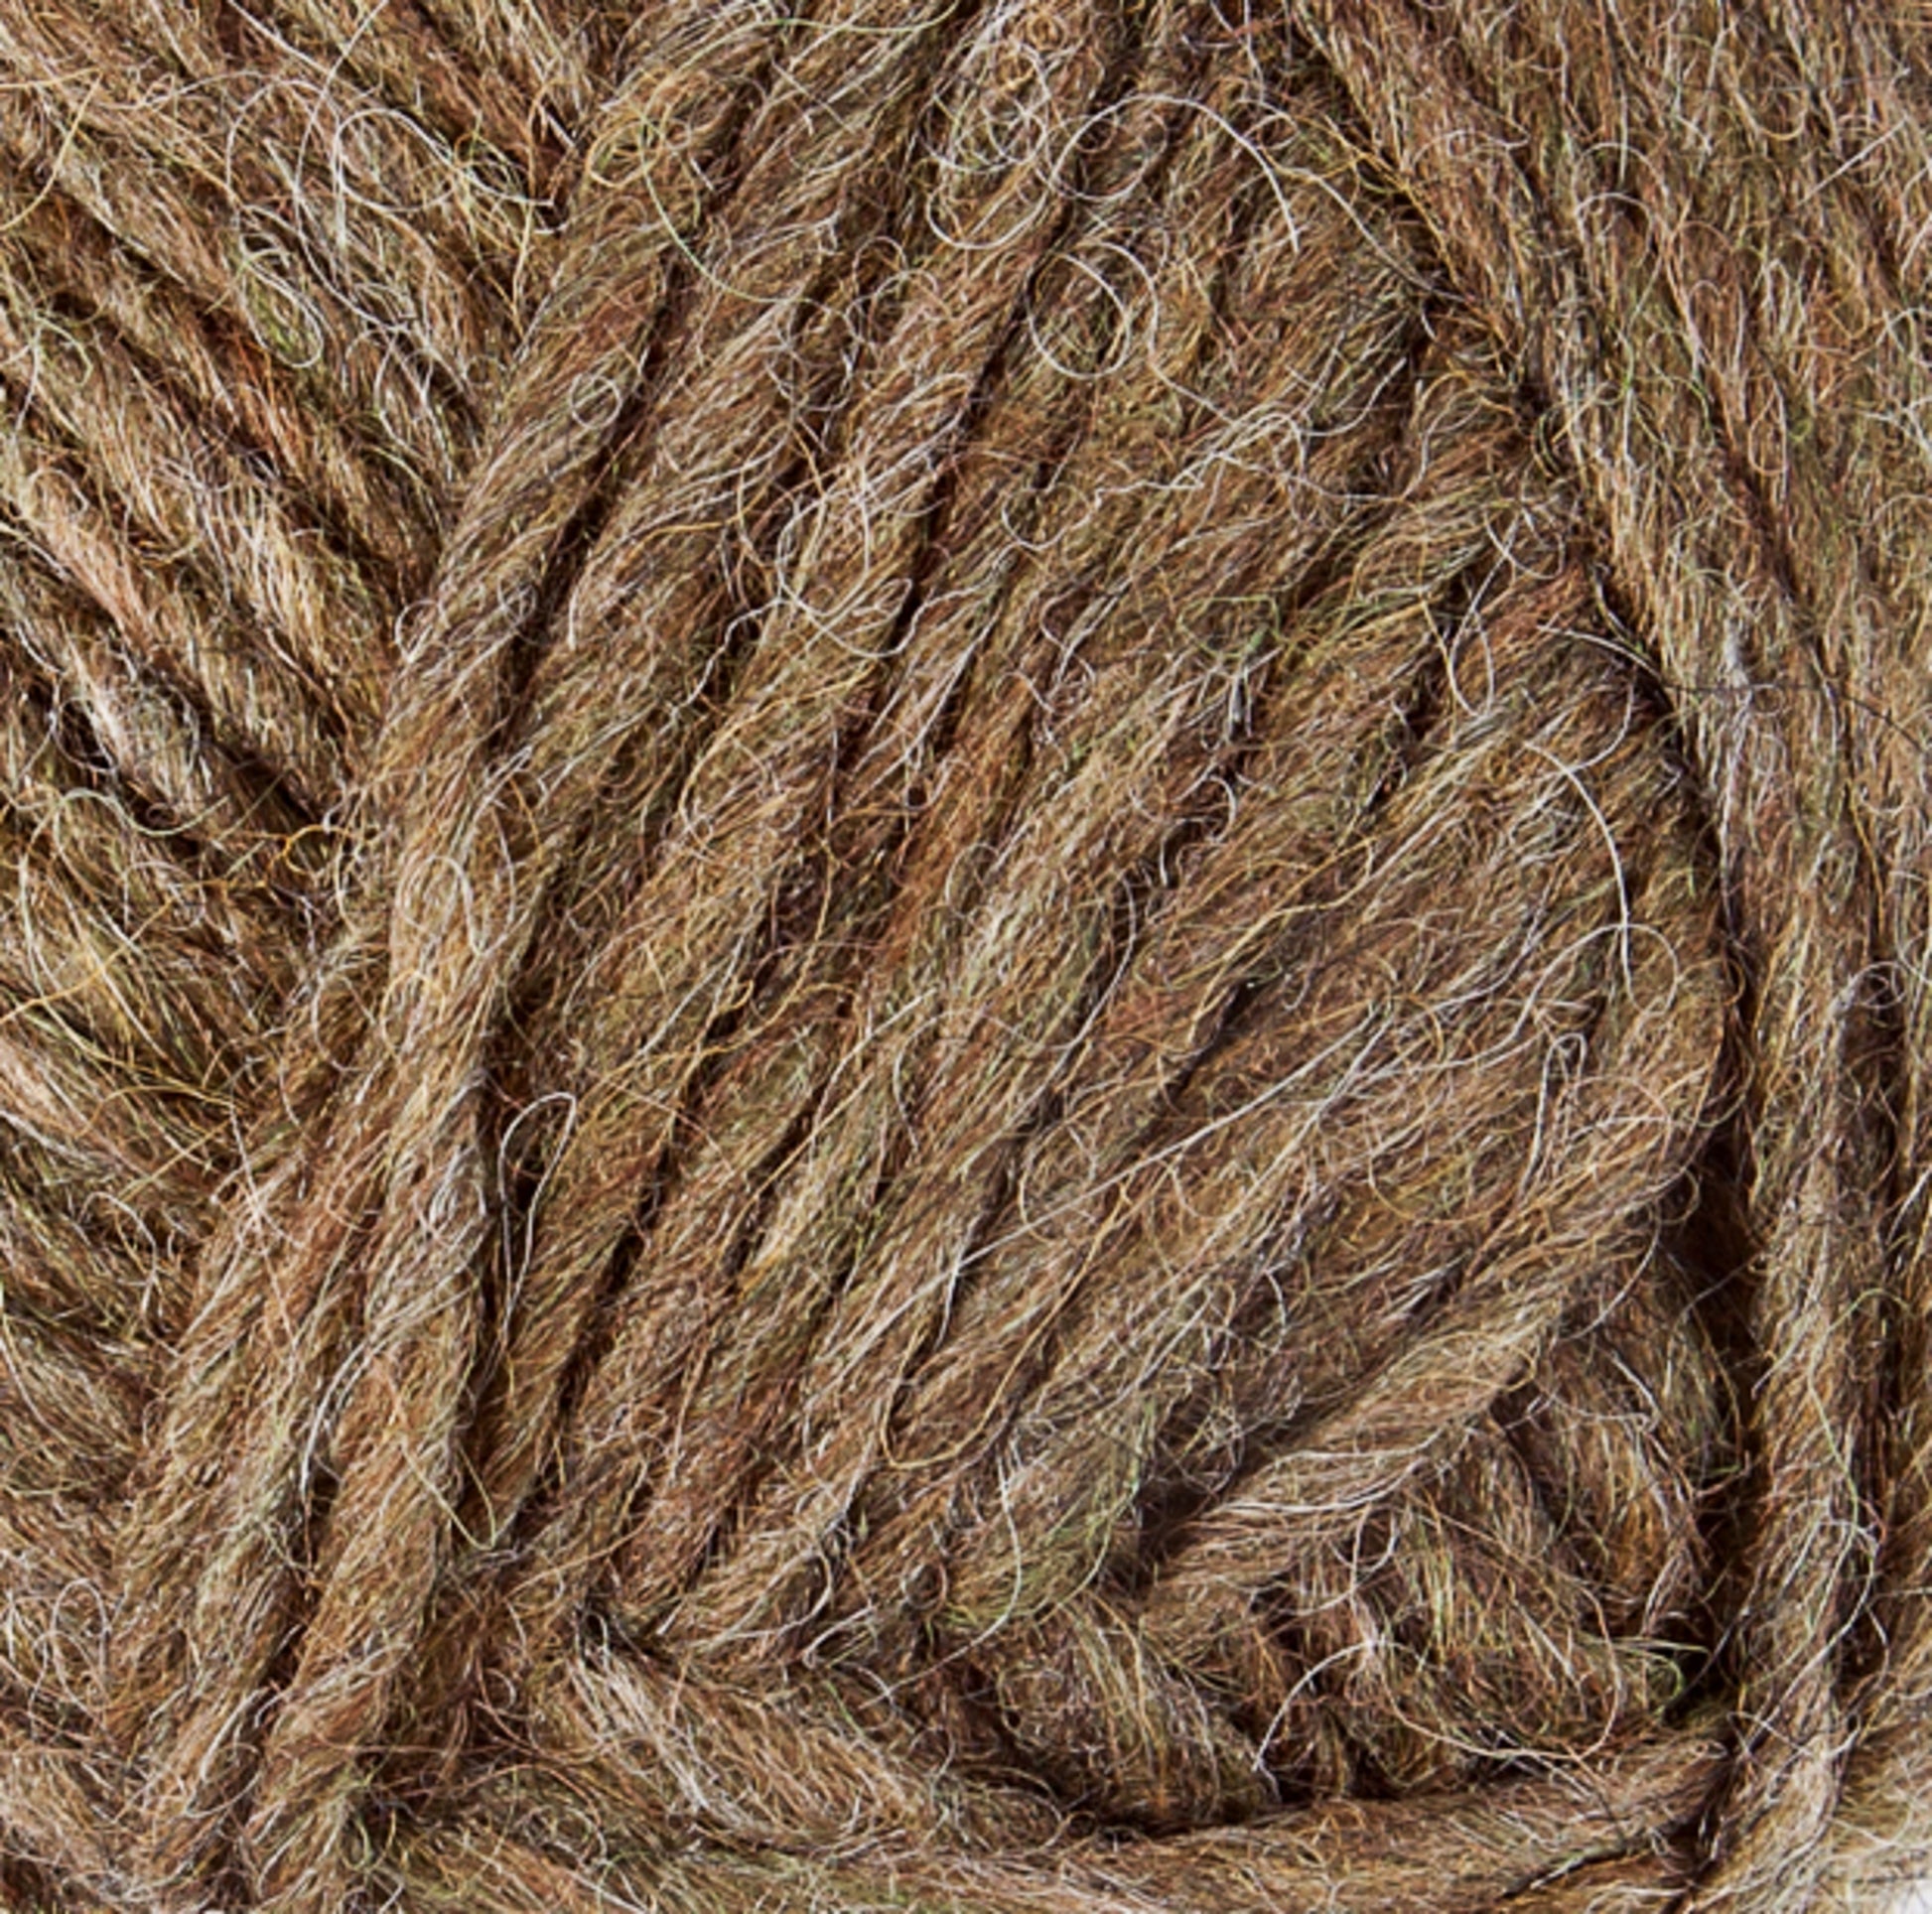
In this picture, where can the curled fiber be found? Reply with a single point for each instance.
(965, 955)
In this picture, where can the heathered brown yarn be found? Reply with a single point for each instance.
(965, 955)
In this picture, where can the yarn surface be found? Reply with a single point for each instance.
(965, 955)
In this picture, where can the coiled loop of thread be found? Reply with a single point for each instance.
(962, 952)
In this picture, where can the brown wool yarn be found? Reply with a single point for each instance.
(967, 956)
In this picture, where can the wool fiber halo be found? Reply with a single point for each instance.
(965, 955)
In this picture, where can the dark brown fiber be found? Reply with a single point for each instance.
(965, 956)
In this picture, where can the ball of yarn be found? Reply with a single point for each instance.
(965, 955)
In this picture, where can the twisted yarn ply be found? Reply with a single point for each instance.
(965, 955)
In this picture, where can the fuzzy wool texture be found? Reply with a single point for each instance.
(968, 956)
